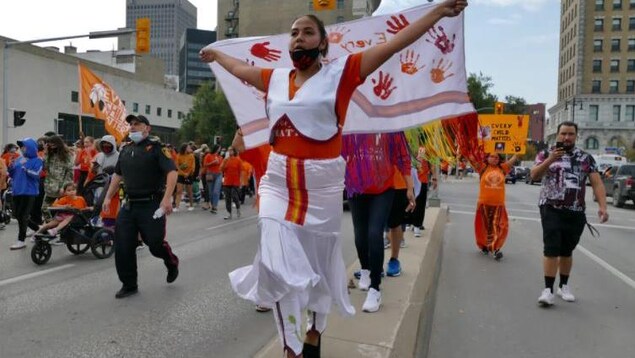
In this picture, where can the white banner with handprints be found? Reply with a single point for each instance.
(422, 83)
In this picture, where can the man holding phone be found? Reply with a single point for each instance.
(566, 169)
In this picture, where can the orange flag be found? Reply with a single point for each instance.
(323, 5)
(100, 100)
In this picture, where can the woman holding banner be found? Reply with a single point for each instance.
(491, 224)
(299, 264)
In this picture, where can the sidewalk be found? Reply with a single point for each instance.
(401, 328)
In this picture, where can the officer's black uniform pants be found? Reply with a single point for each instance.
(134, 219)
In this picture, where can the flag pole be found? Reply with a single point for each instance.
(79, 91)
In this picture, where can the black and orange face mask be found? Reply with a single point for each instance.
(303, 59)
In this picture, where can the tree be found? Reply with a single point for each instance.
(210, 116)
(515, 105)
(530, 152)
(478, 88)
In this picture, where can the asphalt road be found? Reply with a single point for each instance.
(489, 309)
(67, 308)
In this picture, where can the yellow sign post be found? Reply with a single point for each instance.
(143, 35)
(503, 133)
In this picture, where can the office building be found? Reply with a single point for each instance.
(168, 21)
(596, 74)
(192, 72)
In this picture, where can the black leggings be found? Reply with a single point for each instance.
(22, 205)
(231, 194)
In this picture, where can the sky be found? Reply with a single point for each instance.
(515, 42)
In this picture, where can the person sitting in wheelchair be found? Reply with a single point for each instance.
(69, 199)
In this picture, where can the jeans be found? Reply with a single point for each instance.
(213, 189)
(370, 213)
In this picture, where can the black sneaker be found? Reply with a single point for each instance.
(173, 273)
(498, 255)
(126, 291)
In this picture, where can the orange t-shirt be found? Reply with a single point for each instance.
(8, 157)
(185, 164)
(231, 168)
(423, 173)
(287, 139)
(245, 173)
(85, 158)
(77, 202)
(210, 166)
(492, 185)
(398, 181)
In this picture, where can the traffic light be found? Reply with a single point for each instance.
(143, 35)
(18, 118)
(499, 107)
(323, 5)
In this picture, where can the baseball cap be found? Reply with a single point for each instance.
(139, 118)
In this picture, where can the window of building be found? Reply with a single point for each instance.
(340, 4)
(594, 110)
(596, 86)
(615, 45)
(630, 65)
(630, 86)
(630, 113)
(599, 25)
(616, 112)
(310, 5)
(631, 23)
(599, 5)
(631, 44)
(631, 4)
(169, 113)
(616, 24)
(615, 141)
(158, 111)
(591, 143)
(615, 65)
(613, 86)
(180, 115)
(617, 4)
(74, 96)
(597, 65)
(597, 45)
(147, 109)
(135, 107)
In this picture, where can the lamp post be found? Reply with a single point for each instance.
(5, 58)
(573, 103)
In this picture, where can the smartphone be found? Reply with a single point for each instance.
(559, 145)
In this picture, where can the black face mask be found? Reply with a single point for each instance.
(303, 59)
(40, 147)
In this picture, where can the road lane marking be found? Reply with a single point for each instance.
(508, 208)
(232, 222)
(627, 280)
(33, 275)
(617, 273)
(538, 220)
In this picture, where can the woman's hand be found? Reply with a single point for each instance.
(451, 8)
(207, 55)
(238, 143)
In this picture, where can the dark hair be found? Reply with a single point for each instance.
(568, 124)
(216, 148)
(62, 150)
(68, 185)
(183, 148)
(321, 28)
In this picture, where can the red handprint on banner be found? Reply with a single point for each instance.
(397, 24)
(437, 74)
(261, 50)
(337, 34)
(409, 62)
(441, 40)
(382, 86)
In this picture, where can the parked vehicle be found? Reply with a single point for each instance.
(530, 181)
(605, 161)
(521, 172)
(510, 177)
(619, 183)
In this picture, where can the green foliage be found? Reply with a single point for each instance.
(210, 116)
(515, 105)
(478, 88)
(630, 155)
(530, 153)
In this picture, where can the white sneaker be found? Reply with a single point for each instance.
(565, 293)
(546, 298)
(29, 232)
(18, 245)
(417, 232)
(403, 243)
(373, 301)
(191, 208)
(175, 210)
(56, 242)
(364, 280)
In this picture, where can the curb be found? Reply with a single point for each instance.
(402, 327)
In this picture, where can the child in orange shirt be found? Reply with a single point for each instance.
(69, 199)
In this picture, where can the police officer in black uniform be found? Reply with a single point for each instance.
(149, 175)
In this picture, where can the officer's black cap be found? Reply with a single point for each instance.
(139, 118)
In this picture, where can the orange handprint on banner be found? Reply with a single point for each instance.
(337, 34)
(397, 24)
(409, 63)
(441, 40)
(437, 74)
(261, 50)
(382, 86)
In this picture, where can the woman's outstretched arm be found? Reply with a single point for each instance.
(374, 57)
(241, 69)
